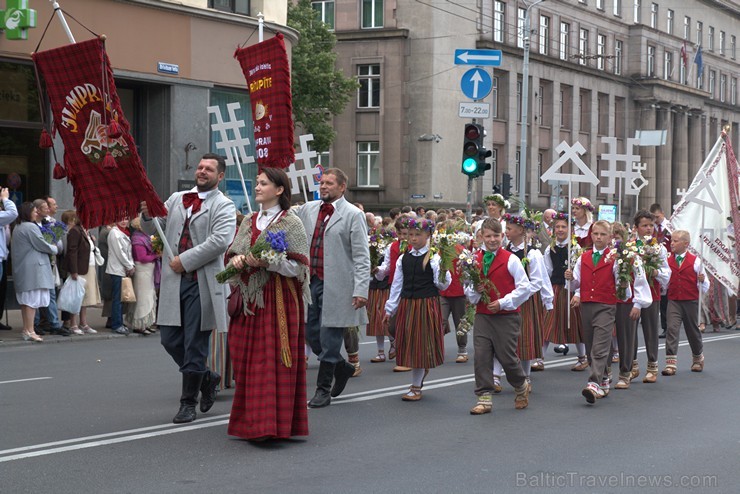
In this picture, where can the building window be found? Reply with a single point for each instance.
(544, 35)
(669, 21)
(519, 100)
(620, 106)
(583, 46)
(325, 10)
(235, 6)
(603, 112)
(682, 73)
(637, 7)
(733, 91)
(564, 40)
(700, 33)
(372, 14)
(687, 27)
(699, 80)
(654, 15)
(600, 4)
(368, 94)
(520, 34)
(517, 159)
(584, 107)
(499, 21)
(601, 51)
(712, 76)
(650, 61)
(618, 57)
(722, 87)
(368, 164)
(540, 104)
(668, 65)
(733, 46)
(617, 8)
(566, 106)
(710, 38)
(494, 92)
(540, 171)
(722, 43)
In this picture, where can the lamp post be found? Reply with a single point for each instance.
(525, 103)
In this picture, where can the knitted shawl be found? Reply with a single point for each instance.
(252, 281)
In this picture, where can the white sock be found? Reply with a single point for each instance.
(527, 367)
(498, 369)
(417, 376)
(581, 347)
(380, 340)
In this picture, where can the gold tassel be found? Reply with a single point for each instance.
(285, 356)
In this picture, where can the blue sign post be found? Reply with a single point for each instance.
(476, 84)
(487, 58)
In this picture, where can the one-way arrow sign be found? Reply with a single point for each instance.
(489, 58)
(476, 84)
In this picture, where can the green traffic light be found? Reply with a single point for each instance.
(470, 165)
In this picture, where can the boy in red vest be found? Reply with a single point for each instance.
(595, 279)
(687, 276)
(498, 324)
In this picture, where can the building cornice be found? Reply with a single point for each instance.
(216, 15)
(730, 7)
(375, 34)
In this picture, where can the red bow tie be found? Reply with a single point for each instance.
(192, 199)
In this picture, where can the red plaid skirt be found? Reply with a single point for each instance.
(376, 300)
(269, 398)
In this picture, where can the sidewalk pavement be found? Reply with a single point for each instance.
(94, 318)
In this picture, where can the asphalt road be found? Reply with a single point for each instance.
(95, 418)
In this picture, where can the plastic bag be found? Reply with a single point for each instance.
(71, 295)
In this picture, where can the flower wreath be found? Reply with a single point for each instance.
(423, 224)
(527, 223)
(583, 202)
(559, 216)
(498, 199)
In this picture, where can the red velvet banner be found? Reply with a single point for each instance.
(265, 66)
(100, 155)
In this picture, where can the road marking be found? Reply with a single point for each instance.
(219, 420)
(26, 380)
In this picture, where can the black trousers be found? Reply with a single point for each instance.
(187, 344)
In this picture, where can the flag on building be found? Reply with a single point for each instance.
(709, 212)
(100, 157)
(684, 55)
(699, 62)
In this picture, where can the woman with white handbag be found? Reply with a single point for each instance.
(120, 265)
(80, 260)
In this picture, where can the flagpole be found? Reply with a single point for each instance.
(701, 256)
(65, 26)
(570, 241)
(241, 177)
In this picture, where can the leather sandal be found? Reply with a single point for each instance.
(581, 365)
(461, 358)
(400, 368)
(537, 366)
(413, 394)
(484, 405)
(380, 357)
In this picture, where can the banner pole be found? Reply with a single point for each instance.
(570, 239)
(65, 26)
(241, 177)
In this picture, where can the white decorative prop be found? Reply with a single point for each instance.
(632, 172)
(305, 175)
(570, 153)
(227, 144)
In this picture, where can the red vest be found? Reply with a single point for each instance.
(455, 289)
(683, 284)
(586, 242)
(500, 276)
(395, 254)
(597, 283)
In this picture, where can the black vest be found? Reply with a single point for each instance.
(418, 281)
(520, 255)
(559, 258)
(376, 284)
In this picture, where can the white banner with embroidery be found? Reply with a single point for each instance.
(707, 211)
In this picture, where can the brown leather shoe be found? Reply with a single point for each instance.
(413, 394)
(400, 368)
(581, 365)
(521, 399)
(698, 364)
(484, 405)
(669, 371)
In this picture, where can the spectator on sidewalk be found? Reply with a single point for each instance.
(50, 313)
(8, 214)
(120, 264)
(79, 261)
(142, 313)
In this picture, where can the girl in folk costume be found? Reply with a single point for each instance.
(266, 333)
(595, 279)
(503, 288)
(557, 330)
(452, 302)
(530, 339)
(415, 298)
(379, 291)
(583, 212)
(387, 270)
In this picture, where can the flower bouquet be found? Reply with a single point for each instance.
(575, 251)
(59, 229)
(466, 323)
(625, 254)
(272, 248)
(650, 251)
(445, 242)
(471, 275)
(157, 244)
(379, 240)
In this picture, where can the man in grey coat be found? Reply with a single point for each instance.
(340, 278)
(199, 227)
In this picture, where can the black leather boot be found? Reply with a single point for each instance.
(342, 372)
(322, 397)
(191, 382)
(209, 390)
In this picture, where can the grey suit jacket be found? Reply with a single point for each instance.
(346, 261)
(30, 257)
(212, 230)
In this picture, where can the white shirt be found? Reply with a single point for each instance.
(582, 231)
(201, 195)
(512, 300)
(548, 260)
(539, 280)
(288, 267)
(698, 269)
(397, 286)
(385, 267)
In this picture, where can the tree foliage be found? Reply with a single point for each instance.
(320, 91)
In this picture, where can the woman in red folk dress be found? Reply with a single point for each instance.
(266, 333)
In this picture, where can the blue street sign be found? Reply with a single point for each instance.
(488, 58)
(476, 83)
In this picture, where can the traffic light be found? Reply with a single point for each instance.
(472, 144)
(483, 153)
(506, 185)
